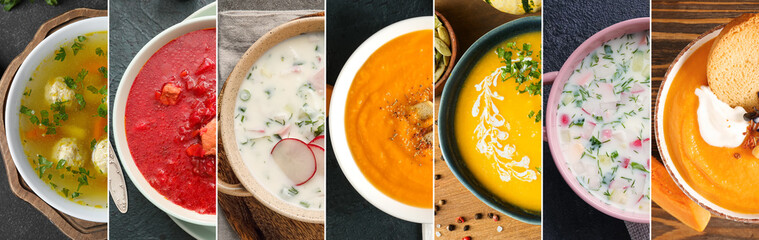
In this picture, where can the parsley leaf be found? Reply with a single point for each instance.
(103, 71)
(92, 89)
(76, 47)
(60, 55)
(80, 100)
(103, 110)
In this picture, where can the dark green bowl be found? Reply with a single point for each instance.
(446, 120)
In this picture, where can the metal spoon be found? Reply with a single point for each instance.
(116, 183)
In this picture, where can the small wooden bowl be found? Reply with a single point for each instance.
(249, 186)
(454, 55)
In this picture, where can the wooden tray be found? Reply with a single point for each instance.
(249, 217)
(73, 227)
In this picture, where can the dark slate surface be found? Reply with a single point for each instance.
(18, 219)
(133, 24)
(349, 23)
(566, 25)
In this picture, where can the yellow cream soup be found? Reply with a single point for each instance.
(502, 148)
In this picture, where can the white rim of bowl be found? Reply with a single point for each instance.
(119, 106)
(337, 122)
(12, 116)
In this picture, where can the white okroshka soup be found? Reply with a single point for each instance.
(282, 97)
(604, 122)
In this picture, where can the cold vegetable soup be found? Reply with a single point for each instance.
(605, 125)
(170, 121)
(280, 117)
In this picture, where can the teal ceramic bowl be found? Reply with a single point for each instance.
(446, 120)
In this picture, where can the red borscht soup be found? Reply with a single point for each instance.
(171, 121)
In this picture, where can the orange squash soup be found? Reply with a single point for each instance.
(498, 122)
(723, 175)
(387, 137)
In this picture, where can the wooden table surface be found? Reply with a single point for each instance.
(675, 24)
(459, 202)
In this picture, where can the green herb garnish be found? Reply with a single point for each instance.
(103, 71)
(60, 55)
(292, 191)
(638, 166)
(80, 100)
(594, 143)
(76, 47)
(103, 110)
(99, 52)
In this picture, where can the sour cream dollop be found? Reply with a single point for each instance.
(719, 124)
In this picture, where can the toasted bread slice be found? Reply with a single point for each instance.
(732, 69)
(424, 110)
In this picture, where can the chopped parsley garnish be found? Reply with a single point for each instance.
(103, 71)
(61, 163)
(92, 89)
(99, 52)
(69, 82)
(76, 47)
(80, 100)
(523, 70)
(60, 55)
(103, 110)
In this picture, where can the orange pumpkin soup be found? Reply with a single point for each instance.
(385, 136)
(714, 172)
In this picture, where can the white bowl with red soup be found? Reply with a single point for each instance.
(164, 121)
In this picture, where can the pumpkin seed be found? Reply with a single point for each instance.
(439, 72)
(441, 47)
(442, 33)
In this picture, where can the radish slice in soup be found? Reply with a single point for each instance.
(296, 159)
(319, 141)
(319, 155)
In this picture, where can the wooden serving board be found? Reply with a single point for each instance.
(459, 202)
(73, 227)
(674, 25)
